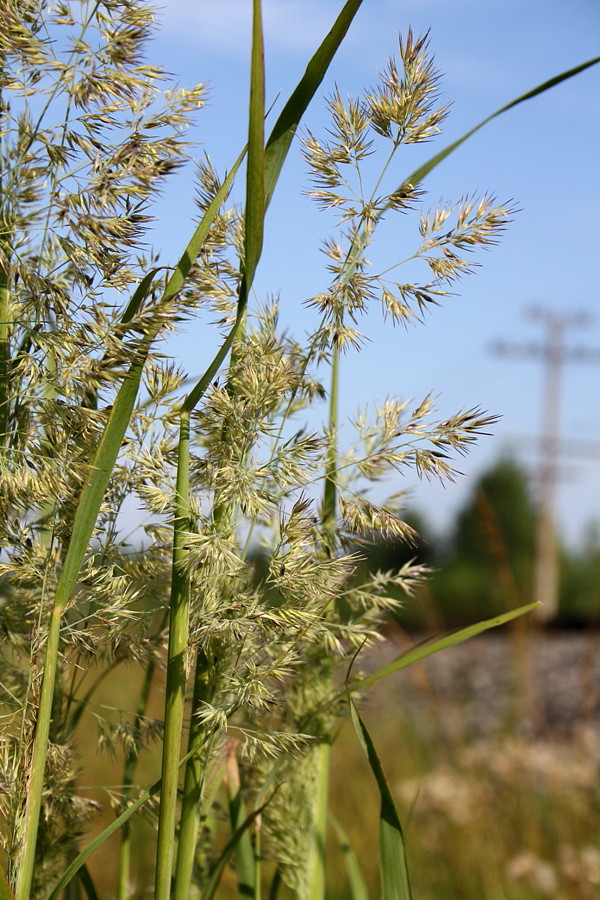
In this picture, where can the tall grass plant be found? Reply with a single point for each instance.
(93, 413)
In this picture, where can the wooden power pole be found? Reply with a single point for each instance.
(553, 353)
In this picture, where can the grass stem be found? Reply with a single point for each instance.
(4, 338)
(31, 817)
(192, 787)
(176, 674)
(128, 776)
(316, 869)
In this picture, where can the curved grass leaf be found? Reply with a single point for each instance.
(97, 842)
(356, 882)
(81, 859)
(114, 432)
(420, 173)
(436, 643)
(189, 255)
(138, 296)
(275, 153)
(275, 885)
(395, 884)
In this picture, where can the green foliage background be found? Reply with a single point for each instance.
(484, 564)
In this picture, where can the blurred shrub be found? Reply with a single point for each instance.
(485, 565)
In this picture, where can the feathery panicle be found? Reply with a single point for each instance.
(403, 106)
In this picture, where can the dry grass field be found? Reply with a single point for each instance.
(492, 750)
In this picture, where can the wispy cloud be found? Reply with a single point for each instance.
(290, 25)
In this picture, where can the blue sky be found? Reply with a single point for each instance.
(543, 155)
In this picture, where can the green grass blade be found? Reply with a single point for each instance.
(275, 885)
(189, 255)
(275, 153)
(196, 394)
(136, 300)
(395, 884)
(255, 176)
(356, 882)
(108, 832)
(420, 173)
(245, 864)
(103, 464)
(176, 674)
(138, 296)
(435, 644)
(97, 842)
(285, 127)
(87, 884)
(100, 472)
(254, 214)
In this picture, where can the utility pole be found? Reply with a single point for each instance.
(553, 353)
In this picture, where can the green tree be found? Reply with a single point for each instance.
(579, 600)
(487, 563)
(499, 519)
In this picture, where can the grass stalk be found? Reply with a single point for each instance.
(316, 860)
(253, 241)
(103, 463)
(192, 787)
(4, 336)
(330, 489)
(83, 526)
(316, 865)
(247, 867)
(176, 670)
(28, 826)
(128, 776)
(264, 165)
